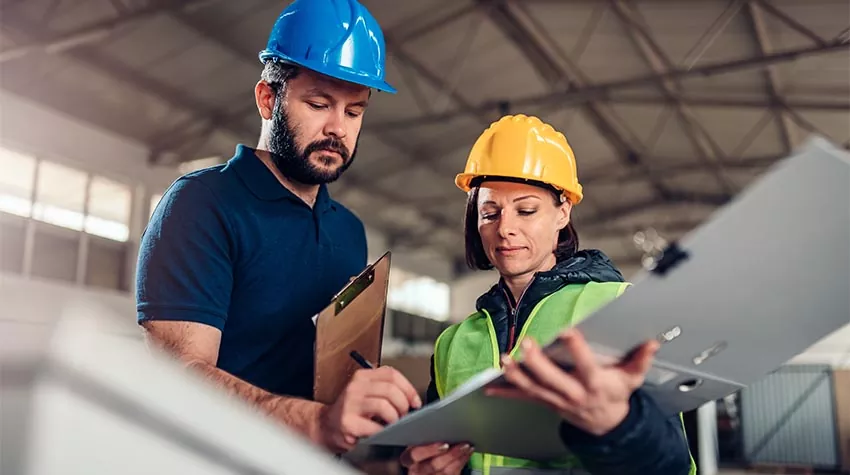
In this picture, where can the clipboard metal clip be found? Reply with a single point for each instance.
(353, 289)
(659, 255)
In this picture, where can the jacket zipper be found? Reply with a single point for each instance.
(512, 316)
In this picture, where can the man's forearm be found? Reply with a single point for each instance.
(299, 414)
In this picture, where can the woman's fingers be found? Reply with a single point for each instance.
(545, 372)
(451, 462)
(436, 459)
(587, 368)
(419, 453)
(639, 363)
(531, 384)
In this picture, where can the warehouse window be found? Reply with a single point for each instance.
(418, 295)
(16, 182)
(155, 199)
(109, 209)
(60, 195)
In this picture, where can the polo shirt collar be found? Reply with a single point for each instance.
(264, 185)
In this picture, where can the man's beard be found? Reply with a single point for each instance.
(296, 165)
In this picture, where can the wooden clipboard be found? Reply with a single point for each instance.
(353, 321)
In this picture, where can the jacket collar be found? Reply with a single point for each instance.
(584, 266)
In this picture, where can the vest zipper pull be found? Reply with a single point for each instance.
(511, 329)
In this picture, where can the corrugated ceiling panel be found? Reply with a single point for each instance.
(836, 125)
(643, 120)
(610, 54)
(592, 150)
(741, 132)
(488, 68)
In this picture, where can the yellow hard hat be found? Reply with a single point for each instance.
(523, 147)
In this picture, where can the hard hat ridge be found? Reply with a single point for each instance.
(337, 38)
(523, 148)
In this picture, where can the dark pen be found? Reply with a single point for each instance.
(363, 362)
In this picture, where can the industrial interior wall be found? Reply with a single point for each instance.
(789, 418)
(841, 385)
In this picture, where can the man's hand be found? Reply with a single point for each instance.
(594, 398)
(373, 398)
(436, 459)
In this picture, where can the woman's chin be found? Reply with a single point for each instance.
(511, 268)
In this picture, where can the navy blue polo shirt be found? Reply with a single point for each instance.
(232, 248)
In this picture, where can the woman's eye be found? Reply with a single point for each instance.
(489, 216)
(527, 212)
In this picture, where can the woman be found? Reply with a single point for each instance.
(522, 185)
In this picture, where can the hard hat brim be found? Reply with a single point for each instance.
(464, 182)
(335, 72)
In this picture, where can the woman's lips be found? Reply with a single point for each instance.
(509, 250)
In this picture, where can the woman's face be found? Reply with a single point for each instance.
(519, 226)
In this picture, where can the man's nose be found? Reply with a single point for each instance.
(335, 125)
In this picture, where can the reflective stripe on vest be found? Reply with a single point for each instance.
(470, 346)
(530, 471)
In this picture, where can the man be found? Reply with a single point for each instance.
(238, 258)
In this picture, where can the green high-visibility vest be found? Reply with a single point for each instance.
(469, 347)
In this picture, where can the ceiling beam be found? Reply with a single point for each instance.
(520, 28)
(464, 106)
(659, 62)
(771, 78)
(676, 197)
(790, 22)
(604, 91)
(57, 42)
(115, 69)
(838, 104)
(671, 167)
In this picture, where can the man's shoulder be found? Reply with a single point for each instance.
(207, 184)
(214, 179)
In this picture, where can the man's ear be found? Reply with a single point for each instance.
(563, 217)
(265, 96)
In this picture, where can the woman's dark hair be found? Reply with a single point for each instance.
(476, 258)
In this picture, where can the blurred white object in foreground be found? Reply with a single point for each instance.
(80, 394)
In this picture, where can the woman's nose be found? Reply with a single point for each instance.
(507, 225)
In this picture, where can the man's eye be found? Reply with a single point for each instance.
(317, 106)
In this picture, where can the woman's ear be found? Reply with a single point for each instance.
(563, 216)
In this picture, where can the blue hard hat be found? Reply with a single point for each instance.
(337, 38)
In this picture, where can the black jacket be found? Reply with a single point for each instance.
(645, 442)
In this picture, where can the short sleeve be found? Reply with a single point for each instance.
(185, 265)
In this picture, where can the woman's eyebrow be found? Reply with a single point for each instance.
(526, 196)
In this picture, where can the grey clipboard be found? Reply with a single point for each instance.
(763, 279)
(353, 321)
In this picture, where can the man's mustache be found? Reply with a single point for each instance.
(329, 144)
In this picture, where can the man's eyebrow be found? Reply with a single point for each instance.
(316, 91)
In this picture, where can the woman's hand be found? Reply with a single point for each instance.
(594, 398)
(436, 459)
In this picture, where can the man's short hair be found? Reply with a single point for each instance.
(277, 73)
